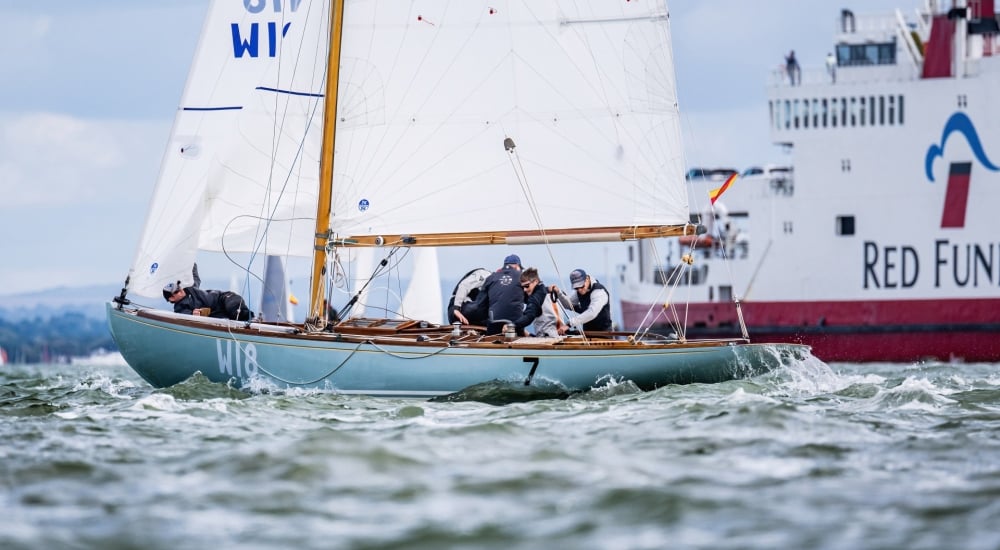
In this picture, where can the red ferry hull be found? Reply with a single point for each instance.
(856, 331)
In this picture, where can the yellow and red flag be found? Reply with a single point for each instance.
(714, 194)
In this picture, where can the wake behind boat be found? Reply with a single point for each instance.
(314, 129)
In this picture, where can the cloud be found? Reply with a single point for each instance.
(75, 192)
(53, 159)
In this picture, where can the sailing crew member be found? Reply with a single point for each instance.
(192, 300)
(461, 306)
(591, 302)
(502, 296)
(538, 312)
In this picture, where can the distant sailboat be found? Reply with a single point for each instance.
(423, 295)
(313, 128)
(276, 298)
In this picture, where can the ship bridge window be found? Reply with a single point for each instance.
(845, 225)
(856, 55)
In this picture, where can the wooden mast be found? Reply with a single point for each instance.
(317, 293)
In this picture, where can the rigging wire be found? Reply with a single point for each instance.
(522, 179)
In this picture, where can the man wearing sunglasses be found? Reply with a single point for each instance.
(538, 312)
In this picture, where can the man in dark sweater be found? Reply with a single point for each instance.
(502, 295)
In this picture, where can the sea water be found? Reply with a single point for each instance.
(809, 456)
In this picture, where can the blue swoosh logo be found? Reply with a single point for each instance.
(959, 122)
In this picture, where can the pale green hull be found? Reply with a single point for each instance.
(165, 351)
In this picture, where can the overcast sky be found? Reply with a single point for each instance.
(90, 90)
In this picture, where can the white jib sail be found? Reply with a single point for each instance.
(422, 299)
(241, 166)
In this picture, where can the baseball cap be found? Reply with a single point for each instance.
(512, 259)
(170, 288)
(578, 277)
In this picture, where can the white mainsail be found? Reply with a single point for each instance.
(429, 93)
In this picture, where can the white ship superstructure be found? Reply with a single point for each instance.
(882, 240)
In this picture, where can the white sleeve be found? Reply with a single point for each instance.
(598, 299)
(475, 280)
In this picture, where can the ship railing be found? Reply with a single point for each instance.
(853, 74)
(870, 26)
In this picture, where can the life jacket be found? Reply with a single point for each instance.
(603, 320)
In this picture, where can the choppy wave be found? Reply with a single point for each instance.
(808, 455)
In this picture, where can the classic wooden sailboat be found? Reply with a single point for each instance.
(310, 128)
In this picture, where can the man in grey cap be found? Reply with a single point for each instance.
(591, 302)
(192, 300)
(502, 295)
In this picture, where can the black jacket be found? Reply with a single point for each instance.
(223, 305)
(532, 307)
(503, 297)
